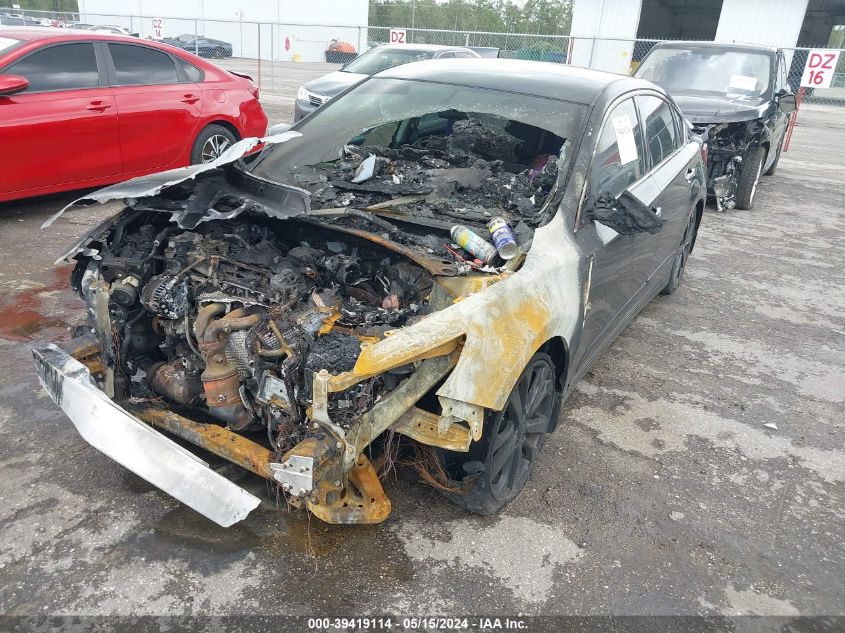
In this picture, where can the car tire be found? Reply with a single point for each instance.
(749, 177)
(773, 168)
(211, 142)
(676, 276)
(498, 466)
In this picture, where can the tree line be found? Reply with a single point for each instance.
(544, 17)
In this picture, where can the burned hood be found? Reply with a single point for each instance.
(334, 83)
(715, 109)
(154, 184)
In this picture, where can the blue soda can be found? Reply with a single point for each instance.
(503, 238)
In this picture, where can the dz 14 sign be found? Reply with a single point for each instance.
(397, 36)
(818, 72)
(158, 29)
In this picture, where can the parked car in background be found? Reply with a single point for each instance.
(113, 30)
(316, 92)
(83, 109)
(16, 19)
(202, 46)
(340, 52)
(286, 332)
(738, 97)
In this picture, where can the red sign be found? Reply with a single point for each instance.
(397, 36)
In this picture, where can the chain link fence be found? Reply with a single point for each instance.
(282, 56)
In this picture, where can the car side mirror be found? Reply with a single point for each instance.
(624, 213)
(787, 102)
(278, 128)
(12, 84)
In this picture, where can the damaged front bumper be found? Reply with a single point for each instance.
(327, 472)
(143, 450)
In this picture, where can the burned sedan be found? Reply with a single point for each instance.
(425, 265)
(735, 95)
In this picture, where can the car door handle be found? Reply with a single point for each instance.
(190, 99)
(98, 106)
(690, 174)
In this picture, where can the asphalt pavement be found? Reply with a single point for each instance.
(697, 469)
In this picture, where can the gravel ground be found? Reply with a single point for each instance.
(697, 469)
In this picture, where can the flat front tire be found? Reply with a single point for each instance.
(498, 466)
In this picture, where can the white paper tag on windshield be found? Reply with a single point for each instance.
(625, 139)
(743, 82)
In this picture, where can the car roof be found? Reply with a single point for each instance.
(728, 46)
(423, 47)
(46, 32)
(544, 79)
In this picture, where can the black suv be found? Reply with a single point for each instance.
(738, 98)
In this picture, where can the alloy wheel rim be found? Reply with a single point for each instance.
(756, 180)
(214, 147)
(686, 248)
(520, 429)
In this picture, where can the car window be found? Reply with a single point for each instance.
(139, 65)
(60, 67)
(463, 55)
(620, 160)
(447, 56)
(781, 77)
(707, 70)
(661, 131)
(193, 73)
(378, 59)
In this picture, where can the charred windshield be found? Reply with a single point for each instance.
(443, 149)
(379, 59)
(708, 71)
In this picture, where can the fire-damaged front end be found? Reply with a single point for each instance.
(287, 326)
(728, 145)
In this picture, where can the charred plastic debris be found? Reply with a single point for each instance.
(469, 178)
(255, 322)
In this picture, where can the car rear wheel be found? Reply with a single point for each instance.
(498, 466)
(749, 177)
(680, 263)
(212, 141)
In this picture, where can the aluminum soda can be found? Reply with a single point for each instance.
(503, 238)
(472, 243)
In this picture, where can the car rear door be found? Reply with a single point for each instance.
(63, 128)
(158, 110)
(618, 264)
(673, 164)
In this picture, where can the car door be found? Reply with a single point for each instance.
(672, 163)
(618, 264)
(158, 114)
(63, 128)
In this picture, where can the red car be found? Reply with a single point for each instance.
(81, 109)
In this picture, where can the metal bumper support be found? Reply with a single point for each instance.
(133, 444)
